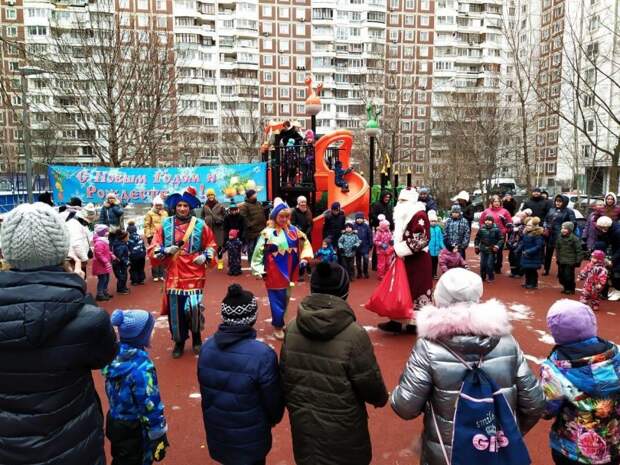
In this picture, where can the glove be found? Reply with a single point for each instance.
(303, 264)
(477, 250)
(159, 448)
(200, 259)
(172, 250)
(209, 253)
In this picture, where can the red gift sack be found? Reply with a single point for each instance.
(392, 298)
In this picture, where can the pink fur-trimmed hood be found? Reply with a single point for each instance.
(489, 318)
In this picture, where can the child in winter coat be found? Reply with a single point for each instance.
(242, 397)
(435, 245)
(533, 252)
(489, 241)
(383, 246)
(340, 174)
(102, 261)
(594, 277)
(450, 257)
(457, 230)
(233, 248)
(120, 264)
(309, 159)
(348, 245)
(135, 426)
(362, 229)
(137, 255)
(514, 244)
(581, 381)
(326, 253)
(569, 255)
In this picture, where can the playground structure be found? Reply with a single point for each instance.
(321, 185)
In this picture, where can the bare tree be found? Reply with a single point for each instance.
(113, 83)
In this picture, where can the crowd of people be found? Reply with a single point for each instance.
(52, 334)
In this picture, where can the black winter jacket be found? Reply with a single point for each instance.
(382, 208)
(329, 372)
(539, 206)
(333, 227)
(51, 338)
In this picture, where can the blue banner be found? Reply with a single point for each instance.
(141, 185)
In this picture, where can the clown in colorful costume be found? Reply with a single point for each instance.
(280, 250)
(183, 245)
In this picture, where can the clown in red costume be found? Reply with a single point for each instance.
(184, 245)
(411, 237)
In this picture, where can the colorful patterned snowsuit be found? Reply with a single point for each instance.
(385, 252)
(594, 277)
(276, 258)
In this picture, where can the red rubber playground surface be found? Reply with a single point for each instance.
(394, 440)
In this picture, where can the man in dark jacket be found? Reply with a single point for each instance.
(239, 378)
(302, 218)
(509, 203)
(329, 373)
(111, 213)
(334, 223)
(553, 224)
(255, 221)
(539, 206)
(288, 132)
(364, 234)
(426, 198)
(51, 337)
(234, 220)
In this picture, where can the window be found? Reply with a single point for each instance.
(300, 62)
(285, 61)
(283, 12)
(11, 31)
(285, 92)
(586, 151)
(589, 124)
(267, 11)
(424, 52)
(425, 20)
(300, 46)
(268, 60)
(423, 67)
(160, 5)
(592, 50)
(268, 44)
(267, 76)
(37, 30)
(268, 92)
(162, 23)
(588, 100)
(283, 28)
(269, 108)
(283, 45)
(285, 108)
(87, 150)
(424, 5)
(10, 13)
(285, 77)
(143, 20)
(143, 4)
(424, 35)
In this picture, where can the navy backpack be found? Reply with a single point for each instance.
(484, 430)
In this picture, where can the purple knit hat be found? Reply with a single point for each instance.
(571, 321)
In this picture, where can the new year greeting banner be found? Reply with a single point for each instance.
(141, 185)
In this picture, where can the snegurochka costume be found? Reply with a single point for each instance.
(276, 258)
(184, 246)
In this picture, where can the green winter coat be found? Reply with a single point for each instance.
(487, 238)
(568, 249)
(329, 373)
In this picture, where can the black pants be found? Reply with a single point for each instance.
(514, 259)
(374, 259)
(250, 245)
(348, 264)
(549, 256)
(120, 271)
(499, 261)
(435, 263)
(566, 275)
(531, 277)
(136, 270)
(361, 263)
(126, 440)
(560, 459)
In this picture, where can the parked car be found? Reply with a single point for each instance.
(583, 202)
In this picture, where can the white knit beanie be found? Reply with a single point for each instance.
(458, 285)
(34, 236)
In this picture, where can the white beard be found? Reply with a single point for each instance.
(403, 212)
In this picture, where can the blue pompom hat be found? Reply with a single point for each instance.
(278, 206)
(189, 196)
(134, 326)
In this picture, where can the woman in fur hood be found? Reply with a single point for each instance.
(433, 376)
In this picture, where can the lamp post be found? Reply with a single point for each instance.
(26, 139)
(372, 131)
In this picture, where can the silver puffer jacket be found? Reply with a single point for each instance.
(434, 376)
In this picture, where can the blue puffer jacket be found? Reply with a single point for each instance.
(242, 396)
(533, 250)
(365, 236)
(436, 244)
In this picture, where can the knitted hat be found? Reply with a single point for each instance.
(330, 278)
(568, 225)
(571, 321)
(210, 192)
(424, 190)
(456, 209)
(432, 215)
(249, 193)
(233, 234)
(604, 222)
(359, 216)
(335, 206)
(239, 307)
(458, 285)
(101, 230)
(88, 213)
(158, 201)
(463, 195)
(598, 255)
(384, 224)
(278, 206)
(34, 236)
(134, 326)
